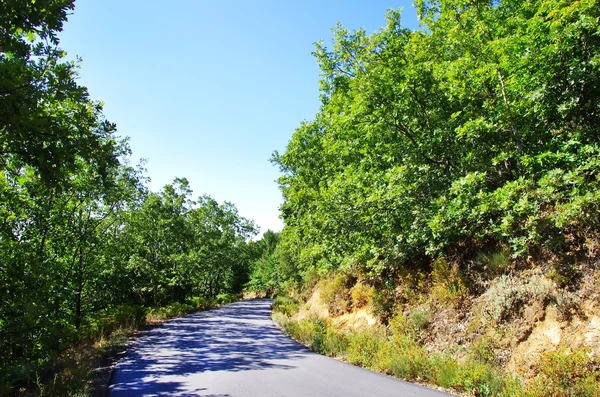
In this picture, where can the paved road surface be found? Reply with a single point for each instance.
(236, 351)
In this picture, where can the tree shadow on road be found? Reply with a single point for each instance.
(237, 337)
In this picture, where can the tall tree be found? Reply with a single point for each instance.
(479, 130)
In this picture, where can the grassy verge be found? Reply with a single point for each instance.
(394, 351)
(84, 369)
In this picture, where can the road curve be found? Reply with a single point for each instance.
(236, 351)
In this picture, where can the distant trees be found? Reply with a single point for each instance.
(265, 269)
(480, 131)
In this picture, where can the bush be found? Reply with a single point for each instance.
(201, 302)
(506, 298)
(176, 309)
(225, 298)
(446, 371)
(303, 331)
(334, 292)
(106, 321)
(418, 321)
(364, 348)
(362, 295)
(285, 305)
(494, 263)
(483, 350)
(397, 324)
(335, 343)
(280, 319)
(317, 342)
(384, 301)
(411, 365)
(400, 356)
(566, 373)
(472, 377)
(448, 284)
(409, 360)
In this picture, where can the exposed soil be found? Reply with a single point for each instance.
(543, 321)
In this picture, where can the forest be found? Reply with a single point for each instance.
(85, 247)
(442, 207)
(455, 156)
(477, 134)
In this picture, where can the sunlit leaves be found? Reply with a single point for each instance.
(481, 128)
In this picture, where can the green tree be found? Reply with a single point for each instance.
(479, 130)
(47, 120)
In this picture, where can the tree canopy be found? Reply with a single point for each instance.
(82, 240)
(480, 130)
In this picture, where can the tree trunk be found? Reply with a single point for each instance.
(79, 289)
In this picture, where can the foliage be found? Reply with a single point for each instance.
(303, 331)
(335, 293)
(508, 296)
(478, 131)
(364, 349)
(399, 355)
(494, 263)
(285, 305)
(265, 275)
(85, 247)
(105, 322)
(47, 120)
(483, 349)
(448, 282)
(418, 321)
(362, 295)
(384, 302)
(565, 373)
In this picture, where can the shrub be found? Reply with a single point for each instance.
(411, 365)
(397, 324)
(334, 292)
(400, 356)
(175, 309)
(229, 297)
(384, 301)
(362, 295)
(280, 319)
(566, 373)
(418, 321)
(483, 350)
(317, 342)
(494, 263)
(446, 371)
(285, 305)
(412, 285)
(448, 284)
(303, 331)
(472, 377)
(106, 321)
(363, 349)
(409, 360)
(201, 302)
(335, 343)
(506, 298)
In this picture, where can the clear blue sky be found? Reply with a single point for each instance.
(207, 90)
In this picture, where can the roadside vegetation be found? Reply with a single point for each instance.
(87, 252)
(423, 342)
(84, 368)
(441, 209)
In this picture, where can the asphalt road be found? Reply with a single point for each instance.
(236, 351)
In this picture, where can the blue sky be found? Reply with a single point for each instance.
(207, 90)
